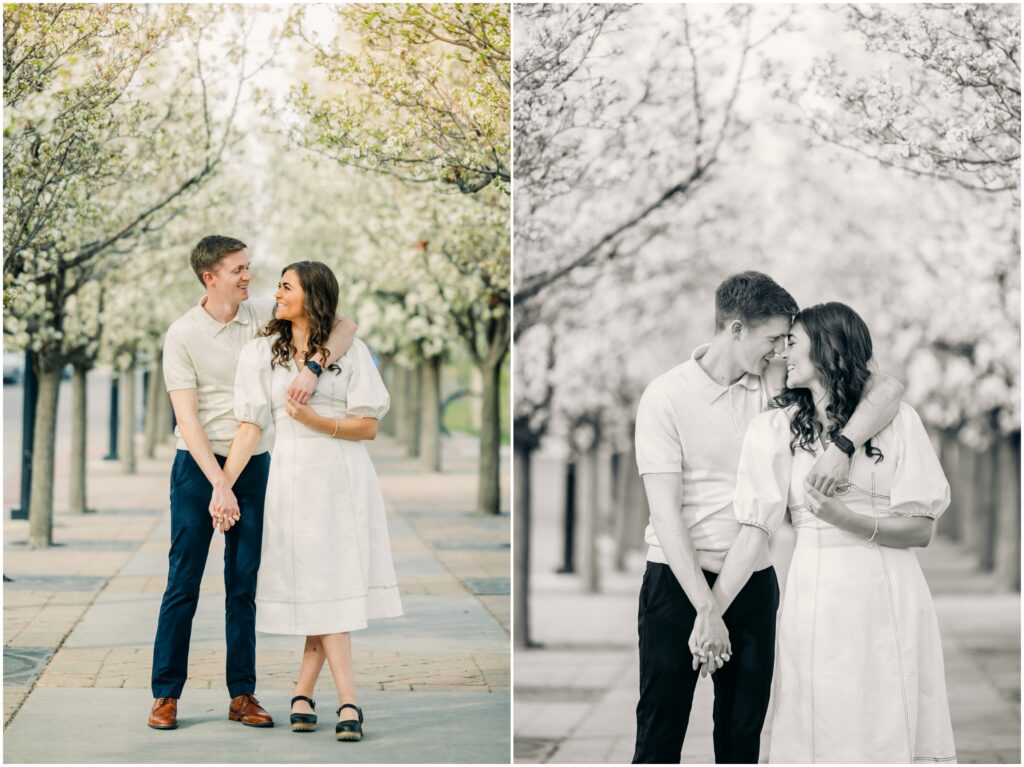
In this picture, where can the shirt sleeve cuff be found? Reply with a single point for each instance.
(755, 523)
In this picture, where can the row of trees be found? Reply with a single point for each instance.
(131, 131)
(661, 148)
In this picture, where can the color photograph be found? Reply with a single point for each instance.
(257, 328)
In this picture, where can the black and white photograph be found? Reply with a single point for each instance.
(766, 404)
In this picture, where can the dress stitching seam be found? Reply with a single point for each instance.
(295, 463)
(896, 634)
(352, 502)
(814, 612)
(324, 601)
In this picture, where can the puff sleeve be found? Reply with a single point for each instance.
(919, 487)
(252, 384)
(367, 396)
(762, 480)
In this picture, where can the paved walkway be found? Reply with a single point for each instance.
(79, 621)
(576, 693)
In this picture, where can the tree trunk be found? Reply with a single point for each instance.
(489, 490)
(412, 413)
(398, 395)
(156, 390)
(40, 510)
(620, 509)
(126, 422)
(387, 371)
(1007, 554)
(521, 598)
(430, 408)
(77, 500)
(164, 426)
(966, 465)
(984, 499)
(588, 565)
(949, 523)
(476, 387)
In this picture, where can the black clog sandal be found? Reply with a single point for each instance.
(303, 722)
(350, 729)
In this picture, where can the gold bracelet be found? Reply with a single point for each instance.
(337, 425)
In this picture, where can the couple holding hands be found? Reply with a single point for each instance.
(306, 542)
(784, 410)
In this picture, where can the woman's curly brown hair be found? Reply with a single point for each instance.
(840, 350)
(320, 304)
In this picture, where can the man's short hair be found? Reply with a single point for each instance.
(752, 297)
(211, 251)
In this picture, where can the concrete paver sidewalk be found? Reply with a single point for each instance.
(576, 693)
(79, 621)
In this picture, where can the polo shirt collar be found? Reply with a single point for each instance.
(210, 325)
(708, 387)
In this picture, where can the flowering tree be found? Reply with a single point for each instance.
(623, 117)
(930, 260)
(947, 103)
(944, 105)
(424, 99)
(110, 125)
(639, 139)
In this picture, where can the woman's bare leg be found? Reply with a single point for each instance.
(338, 648)
(313, 658)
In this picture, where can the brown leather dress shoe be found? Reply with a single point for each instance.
(247, 710)
(164, 714)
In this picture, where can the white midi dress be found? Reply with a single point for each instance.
(859, 675)
(326, 563)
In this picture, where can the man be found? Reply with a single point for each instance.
(200, 355)
(689, 433)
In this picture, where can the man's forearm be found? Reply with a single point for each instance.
(199, 447)
(242, 446)
(340, 340)
(878, 405)
(665, 501)
(743, 556)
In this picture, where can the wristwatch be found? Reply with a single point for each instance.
(839, 441)
(317, 370)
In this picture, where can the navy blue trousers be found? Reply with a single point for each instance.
(191, 532)
(667, 679)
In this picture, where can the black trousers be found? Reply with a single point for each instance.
(667, 679)
(191, 532)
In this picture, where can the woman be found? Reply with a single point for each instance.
(326, 561)
(859, 673)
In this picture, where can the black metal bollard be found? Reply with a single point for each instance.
(28, 435)
(568, 562)
(112, 452)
